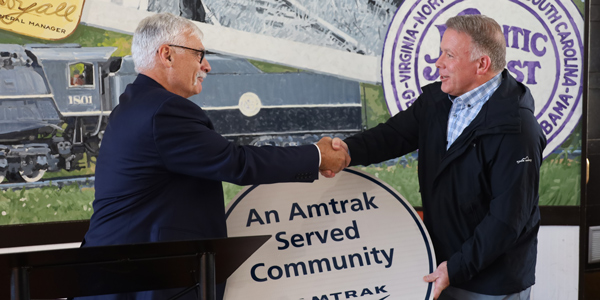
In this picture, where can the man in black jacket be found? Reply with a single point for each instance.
(480, 151)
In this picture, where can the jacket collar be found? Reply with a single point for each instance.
(145, 80)
(504, 104)
(501, 112)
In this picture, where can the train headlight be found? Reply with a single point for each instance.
(249, 104)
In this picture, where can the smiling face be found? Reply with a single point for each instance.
(187, 73)
(458, 73)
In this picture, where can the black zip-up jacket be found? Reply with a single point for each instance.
(480, 197)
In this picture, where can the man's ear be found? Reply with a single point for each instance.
(164, 53)
(484, 64)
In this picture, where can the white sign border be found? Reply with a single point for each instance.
(413, 213)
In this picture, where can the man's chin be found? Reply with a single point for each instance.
(197, 87)
(445, 89)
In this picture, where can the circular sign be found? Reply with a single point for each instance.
(249, 104)
(348, 237)
(544, 51)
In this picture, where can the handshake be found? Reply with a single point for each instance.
(334, 156)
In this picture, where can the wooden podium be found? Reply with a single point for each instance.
(125, 268)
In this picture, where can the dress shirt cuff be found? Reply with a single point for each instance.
(319, 151)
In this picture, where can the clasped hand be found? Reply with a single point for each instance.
(334, 156)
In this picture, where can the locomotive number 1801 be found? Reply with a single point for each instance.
(80, 99)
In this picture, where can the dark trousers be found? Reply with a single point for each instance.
(452, 293)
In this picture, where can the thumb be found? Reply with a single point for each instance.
(336, 143)
(430, 278)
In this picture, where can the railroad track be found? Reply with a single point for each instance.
(83, 181)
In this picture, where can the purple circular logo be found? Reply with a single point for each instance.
(544, 51)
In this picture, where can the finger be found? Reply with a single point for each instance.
(327, 174)
(343, 162)
(338, 168)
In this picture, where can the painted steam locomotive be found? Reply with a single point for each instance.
(55, 101)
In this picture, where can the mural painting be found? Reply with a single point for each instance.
(57, 90)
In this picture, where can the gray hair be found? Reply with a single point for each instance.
(157, 30)
(486, 35)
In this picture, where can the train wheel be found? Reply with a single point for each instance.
(34, 176)
(13, 177)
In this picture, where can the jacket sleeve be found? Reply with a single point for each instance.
(513, 214)
(187, 145)
(397, 136)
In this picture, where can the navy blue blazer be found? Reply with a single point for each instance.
(160, 168)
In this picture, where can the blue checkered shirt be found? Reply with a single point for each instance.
(467, 106)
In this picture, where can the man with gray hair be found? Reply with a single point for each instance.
(160, 169)
(480, 151)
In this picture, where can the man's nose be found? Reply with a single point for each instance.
(205, 65)
(438, 62)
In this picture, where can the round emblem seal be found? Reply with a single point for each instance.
(345, 238)
(544, 51)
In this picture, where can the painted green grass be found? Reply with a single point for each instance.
(559, 185)
(560, 182)
(65, 173)
(52, 204)
(230, 190)
(47, 204)
(376, 110)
